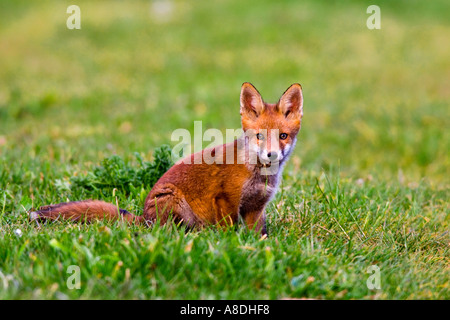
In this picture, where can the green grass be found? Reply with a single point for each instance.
(368, 183)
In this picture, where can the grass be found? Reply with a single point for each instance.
(367, 184)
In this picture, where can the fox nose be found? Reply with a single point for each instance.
(272, 155)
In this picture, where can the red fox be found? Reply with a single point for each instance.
(214, 192)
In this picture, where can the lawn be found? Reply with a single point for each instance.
(367, 187)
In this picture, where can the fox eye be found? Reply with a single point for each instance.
(283, 136)
(259, 136)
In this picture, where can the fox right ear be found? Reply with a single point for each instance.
(251, 101)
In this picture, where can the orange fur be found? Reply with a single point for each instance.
(213, 194)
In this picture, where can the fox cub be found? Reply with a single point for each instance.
(237, 178)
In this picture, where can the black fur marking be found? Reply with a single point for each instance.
(123, 211)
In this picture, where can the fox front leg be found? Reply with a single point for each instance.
(256, 220)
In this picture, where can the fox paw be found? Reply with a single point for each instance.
(33, 215)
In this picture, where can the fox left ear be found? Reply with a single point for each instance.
(291, 102)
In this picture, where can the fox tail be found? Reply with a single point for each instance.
(86, 210)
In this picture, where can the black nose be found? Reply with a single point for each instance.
(272, 155)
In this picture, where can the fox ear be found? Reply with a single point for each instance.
(251, 102)
(291, 102)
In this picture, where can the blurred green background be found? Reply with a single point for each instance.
(376, 101)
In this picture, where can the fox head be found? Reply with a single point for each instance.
(271, 128)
